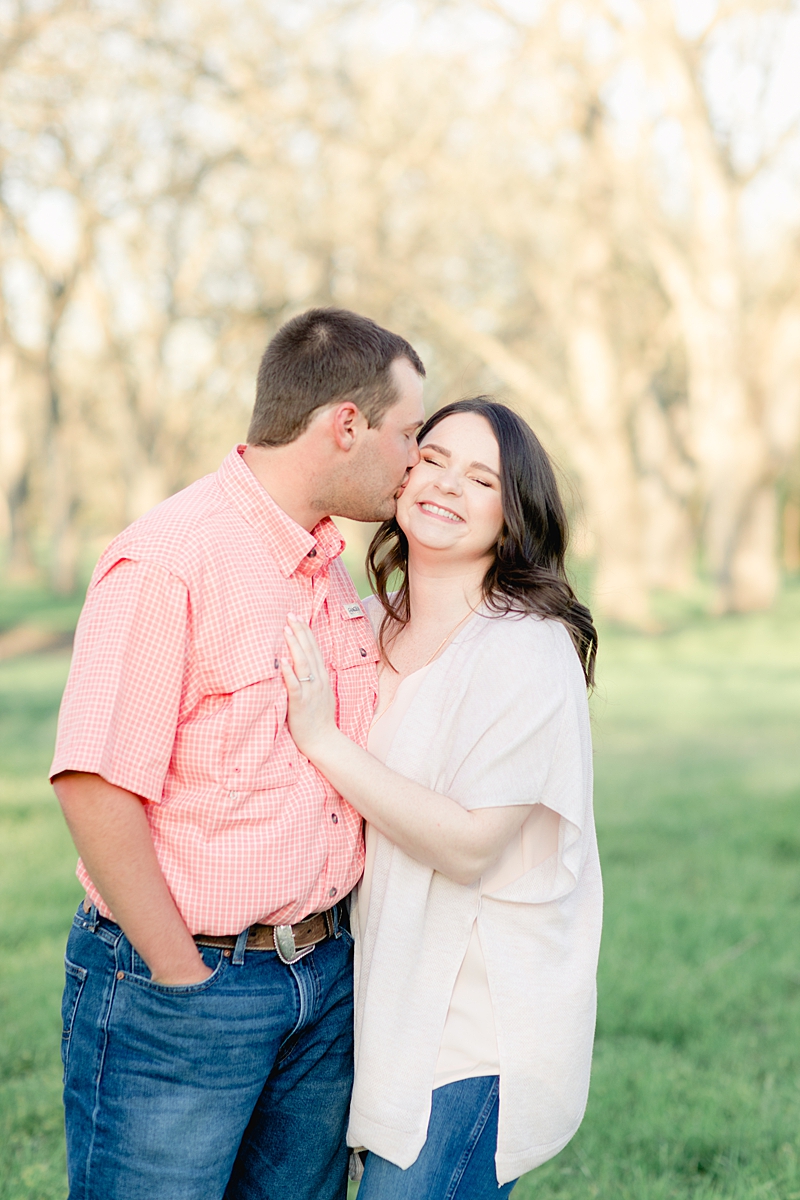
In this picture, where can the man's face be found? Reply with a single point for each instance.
(379, 463)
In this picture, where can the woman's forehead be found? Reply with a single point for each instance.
(463, 432)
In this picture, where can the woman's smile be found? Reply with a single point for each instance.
(436, 510)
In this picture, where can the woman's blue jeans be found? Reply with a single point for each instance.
(457, 1160)
(237, 1087)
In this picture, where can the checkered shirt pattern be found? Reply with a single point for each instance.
(175, 694)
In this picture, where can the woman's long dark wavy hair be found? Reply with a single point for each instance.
(528, 573)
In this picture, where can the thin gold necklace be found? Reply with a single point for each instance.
(424, 665)
(446, 638)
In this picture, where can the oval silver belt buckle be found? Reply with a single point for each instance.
(285, 945)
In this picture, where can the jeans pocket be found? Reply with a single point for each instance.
(139, 974)
(73, 986)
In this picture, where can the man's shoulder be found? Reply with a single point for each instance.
(177, 533)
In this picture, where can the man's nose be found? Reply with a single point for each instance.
(413, 455)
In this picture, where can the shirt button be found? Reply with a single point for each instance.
(332, 892)
(363, 652)
(312, 553)
(277, 664)
(334, 818)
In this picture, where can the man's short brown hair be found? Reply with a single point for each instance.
(320, 357)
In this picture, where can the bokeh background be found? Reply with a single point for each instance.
(589, 208)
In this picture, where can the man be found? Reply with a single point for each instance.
(208, 1003)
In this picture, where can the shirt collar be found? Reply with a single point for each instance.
(295, 549)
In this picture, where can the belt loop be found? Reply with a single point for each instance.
(238, 950)
(92, 918)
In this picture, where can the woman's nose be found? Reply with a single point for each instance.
(450, 481)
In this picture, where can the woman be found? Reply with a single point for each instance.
(478, 918)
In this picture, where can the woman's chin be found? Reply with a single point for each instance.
(426, 534)
(443, 551)
(432, 543)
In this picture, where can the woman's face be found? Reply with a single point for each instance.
(452, 501)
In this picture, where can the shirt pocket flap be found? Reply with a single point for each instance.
(258, 751)
(356, 646)
(243, 670)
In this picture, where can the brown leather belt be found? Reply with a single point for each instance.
(288, 941)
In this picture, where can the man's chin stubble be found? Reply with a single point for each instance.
(367, 512)
(371, 515)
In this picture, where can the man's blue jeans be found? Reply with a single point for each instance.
(237, 1087)
(457, 1160)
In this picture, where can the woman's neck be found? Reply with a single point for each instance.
(439, 595)
(443, 597)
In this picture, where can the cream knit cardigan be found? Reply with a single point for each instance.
(501, 718)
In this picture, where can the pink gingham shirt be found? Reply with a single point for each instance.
(175, 694)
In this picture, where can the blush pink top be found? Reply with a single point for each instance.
(175, 694)
(469, 1041)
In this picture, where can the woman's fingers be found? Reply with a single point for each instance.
(307, 647)
(293, 686)
(305, 637)
(300, 663)
(312, 707)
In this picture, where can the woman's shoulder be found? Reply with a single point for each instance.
(518, 631)
(508, 646)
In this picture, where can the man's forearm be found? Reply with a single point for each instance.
(110, 829)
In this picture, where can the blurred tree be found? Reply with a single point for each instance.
(549, 199)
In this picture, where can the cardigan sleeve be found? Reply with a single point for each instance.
(521, 735)
(507, 724)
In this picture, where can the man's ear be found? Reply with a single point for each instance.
(346, 423)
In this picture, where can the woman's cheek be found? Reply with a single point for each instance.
(403, 506)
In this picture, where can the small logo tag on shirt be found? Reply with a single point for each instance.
(352, 610)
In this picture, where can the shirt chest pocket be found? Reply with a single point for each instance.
(257, 750)
(355, 661)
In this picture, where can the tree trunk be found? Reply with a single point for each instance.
(755, 576)
(16, 467)
(62, 510)
(703, 281)
(605, 463)
(791, 536)
(665, 487)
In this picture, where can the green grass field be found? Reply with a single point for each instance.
(696, 1085)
